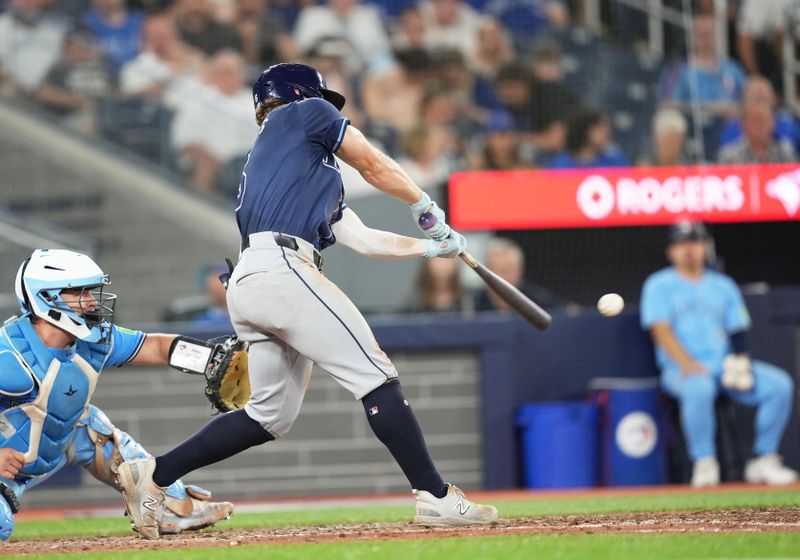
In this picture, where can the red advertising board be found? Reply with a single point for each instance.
(630, 196)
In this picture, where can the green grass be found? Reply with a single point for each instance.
(551, 547)
(522, 508)
(507, 547)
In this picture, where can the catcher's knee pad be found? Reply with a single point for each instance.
(101, 447)
(6, 520)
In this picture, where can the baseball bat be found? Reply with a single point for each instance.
(518, 301)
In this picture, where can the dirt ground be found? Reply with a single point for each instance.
(732, 520)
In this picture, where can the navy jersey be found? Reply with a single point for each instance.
(291, 182)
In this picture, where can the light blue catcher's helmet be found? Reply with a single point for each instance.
(41, 279)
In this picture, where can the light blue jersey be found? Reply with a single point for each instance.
(702, 314)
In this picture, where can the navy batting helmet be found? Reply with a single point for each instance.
(293, 82)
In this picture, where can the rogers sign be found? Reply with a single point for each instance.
(597, 197)
(623, 196)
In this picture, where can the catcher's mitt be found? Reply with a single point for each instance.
(227, 380)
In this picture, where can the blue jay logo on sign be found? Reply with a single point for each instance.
(637, 434)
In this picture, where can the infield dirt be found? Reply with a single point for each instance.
(710, 521)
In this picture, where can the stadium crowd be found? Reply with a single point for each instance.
(442, 85)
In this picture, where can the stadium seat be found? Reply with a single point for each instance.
(140, 125)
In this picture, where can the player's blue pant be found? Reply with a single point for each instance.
(82, 451)
(772, 394)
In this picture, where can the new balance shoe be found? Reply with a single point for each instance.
(144, 499)
(454, 510)
(705, 472)
(769, 469)
(194, 511)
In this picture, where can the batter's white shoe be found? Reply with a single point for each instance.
(454, 510)
(705, 472)
(195, 511)
(769, 469)
(144, 499)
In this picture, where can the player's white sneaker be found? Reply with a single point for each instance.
(454, 510)
(705, 472)
(144, 499)
(194, 511)
(769, 469)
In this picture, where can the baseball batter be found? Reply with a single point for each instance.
(290, 207)
(51, 357)
(698, 320)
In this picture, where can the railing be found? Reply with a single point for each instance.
(657, 15)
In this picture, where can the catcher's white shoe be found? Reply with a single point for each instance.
(194, 511)
(143, 498)
(705, 472)
(769, 469)
(454, 510)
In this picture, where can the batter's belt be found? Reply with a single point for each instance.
(288, 242)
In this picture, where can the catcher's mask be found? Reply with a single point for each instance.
(52, 279)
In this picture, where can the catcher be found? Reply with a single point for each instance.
(50, 360)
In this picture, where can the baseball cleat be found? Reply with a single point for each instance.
(705, 472)
(769, 469)
(143, 498)
(192, 512)
(454, 510)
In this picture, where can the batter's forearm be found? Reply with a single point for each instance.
(351, 232)
(390, 178)
(377, 168)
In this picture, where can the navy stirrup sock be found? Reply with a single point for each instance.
(223, 437)
(395, 425)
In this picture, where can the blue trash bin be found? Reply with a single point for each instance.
(632, 440)
(560, 446)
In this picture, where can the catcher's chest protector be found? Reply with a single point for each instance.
(40, 423)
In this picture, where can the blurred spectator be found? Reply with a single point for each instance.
(31, 39)
(408, 31)
(116, 29)
(492, 51)
(329, 55)
(760, 30)
(216, 309)
(506, 259)
(450, 24)
(352, 21)
(393, 98)
(439, 287)
(540, 108)
(264, 37)
(197, 27)
(758, 143)
(451, 72)
(759, 89)
(669, 138)
(501, 148)
(589, 143)
(166, 66)
(215, 123)
(526, 19)
(76, 82)
(553, 101)
(427, 157)
(700, 325)
(708, 78)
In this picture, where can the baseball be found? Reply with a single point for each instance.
(610, 305)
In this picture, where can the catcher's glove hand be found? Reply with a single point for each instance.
(227, 380)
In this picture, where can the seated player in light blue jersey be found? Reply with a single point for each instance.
(50, 361)
(699, 323)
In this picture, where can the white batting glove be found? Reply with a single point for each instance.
(449, 248)
(440, 230)
(737, 372)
